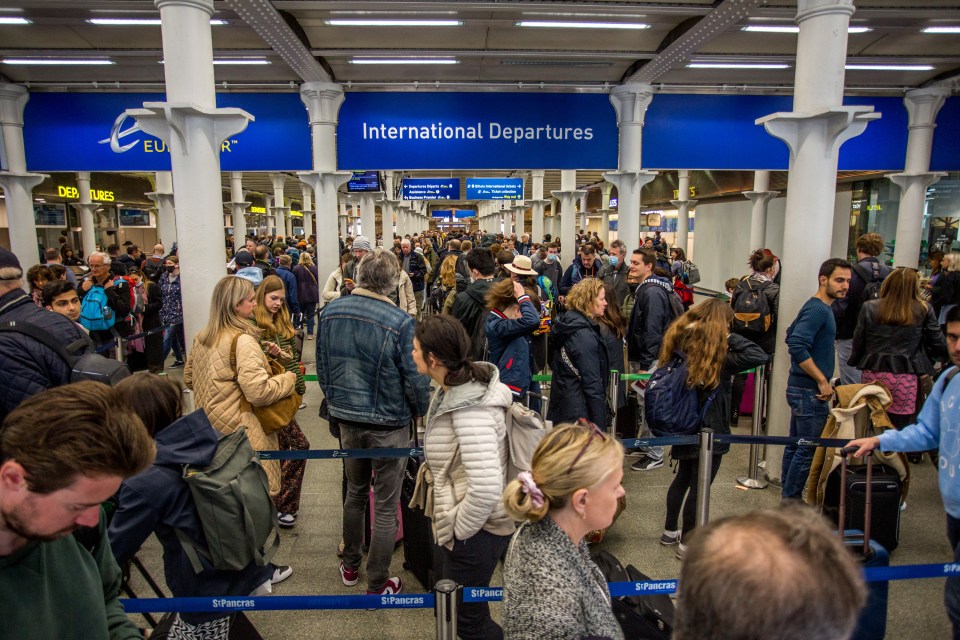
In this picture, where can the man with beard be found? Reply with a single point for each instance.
(63, 452)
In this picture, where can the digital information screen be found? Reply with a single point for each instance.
(364, 181)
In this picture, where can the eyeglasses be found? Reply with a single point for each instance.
(594, 433)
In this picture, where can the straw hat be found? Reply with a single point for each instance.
(521, 266)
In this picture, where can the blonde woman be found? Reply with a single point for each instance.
(331, 289)
(227, 393)
(580, 366)
(572, 489)
(713, 354)
(278, 339)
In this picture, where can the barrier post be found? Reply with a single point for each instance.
(614, 400)
(445, 609)
(704, 473)
(189, 405)
(753, 480)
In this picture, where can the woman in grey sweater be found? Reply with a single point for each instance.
(552, 589)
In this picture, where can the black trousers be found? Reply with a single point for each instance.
(685, 485)
(471, 563)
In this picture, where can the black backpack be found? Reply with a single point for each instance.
(752, 314)
(872, 280)
(89, 366)
(475, 324)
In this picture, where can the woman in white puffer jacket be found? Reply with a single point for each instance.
(466, 454)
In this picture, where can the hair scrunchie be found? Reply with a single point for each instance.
(530, 488)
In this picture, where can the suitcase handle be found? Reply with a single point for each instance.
(868, 506)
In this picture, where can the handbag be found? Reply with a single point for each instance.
(276, 416)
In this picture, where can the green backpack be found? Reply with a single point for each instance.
(238, 517)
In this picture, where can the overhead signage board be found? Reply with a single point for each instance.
(430, 189)
(441, 213)
(477, 131)
(494, 188)
(464, 213)
(89, 132)
(364, 181)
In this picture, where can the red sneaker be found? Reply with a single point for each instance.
(390, 587)
(350, 577)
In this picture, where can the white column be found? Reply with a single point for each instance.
(238, 205)
(538, 203)
(605, 189)
(166, 211)
(760, 197)
(630, 102)
(368, 216)
(307, 194)
(683, 204)
(583, 210)
(16, 183)
(193, 128)
(281, 212)
(271, 220)
(568, 195)
(814, 131)
(554, 220)
(519, 218)
(323, 100)
(343, 217)
(922, 107)
(88, 226)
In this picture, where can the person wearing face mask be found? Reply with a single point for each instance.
(615, 272)
(171, 312)
(551, 268)
(278, 339)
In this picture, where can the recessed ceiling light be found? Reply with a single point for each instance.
(735, 65)
(889, 67)
(773, 28)
(552, 24)
(393, 23)
(14, 20)
(404, 61)
(136, 22)
(945, 29)
(239, 61)
(58, 61)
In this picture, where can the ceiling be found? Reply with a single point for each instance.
(491, 52)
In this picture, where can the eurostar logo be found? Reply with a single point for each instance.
(117, 133)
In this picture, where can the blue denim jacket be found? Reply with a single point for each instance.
(365, 361)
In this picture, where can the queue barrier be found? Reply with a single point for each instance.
(115, 343)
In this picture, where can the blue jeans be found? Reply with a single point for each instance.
(807, 419)
(951, 591)
(173, 338)
(309, 311)
(848, 374)
(388, 474)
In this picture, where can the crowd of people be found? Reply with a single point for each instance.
(433, 339)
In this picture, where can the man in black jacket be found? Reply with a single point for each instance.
(28, 367)
(470, 307)
(868, 269)
(585, 265)
(654, 308)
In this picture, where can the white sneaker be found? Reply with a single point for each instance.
(281, 573)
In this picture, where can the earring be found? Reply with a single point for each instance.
(582, 514)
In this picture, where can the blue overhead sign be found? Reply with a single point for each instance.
(464, 213)
(494, 188)
(430, 189)
(477, 131)
(88, 132)
(441, 213)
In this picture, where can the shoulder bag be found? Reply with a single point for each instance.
(272, 417)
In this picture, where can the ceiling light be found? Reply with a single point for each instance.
(238, 61)
(942, 30)
(582, 25)
(58, 61)
(889, 67)
(136, 22)
(772, 28)
(404, 61)
(393, 23)
(14, 20)
(735, 65)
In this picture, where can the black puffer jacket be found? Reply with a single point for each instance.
(897, 348)
(580, 379)
(26, 366)
(742, 354)
(652, 311)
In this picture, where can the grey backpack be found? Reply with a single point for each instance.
(238, 517)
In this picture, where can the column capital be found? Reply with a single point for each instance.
(575, 193)
(28, 181)
(620, 179)
(157, 196)
(278, 180)
(323, 100)
(807, 9)
(760, 196)
(684, 203)
(537, 173)
(837, 124)
(606, 188)
(13, 99)
(160, 118)
(203, 5)
(238, 207)
(904, 180)
(324, 181)
(631, 101)
(924, 104)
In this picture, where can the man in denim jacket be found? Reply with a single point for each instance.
(366, 370)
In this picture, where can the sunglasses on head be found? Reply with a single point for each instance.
(595, 432)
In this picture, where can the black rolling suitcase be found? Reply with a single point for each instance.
(417, 531)
(872, 623)
(641, 617)
(887, 493)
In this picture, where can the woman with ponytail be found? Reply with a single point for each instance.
(552, 588)
(466, 454)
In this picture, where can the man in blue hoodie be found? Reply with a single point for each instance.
(938, 425)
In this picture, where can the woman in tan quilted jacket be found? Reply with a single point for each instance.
(227, 394)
